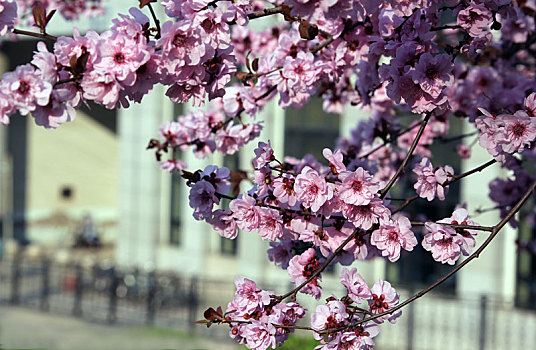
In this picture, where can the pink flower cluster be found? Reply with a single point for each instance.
(8, 14)
(448, 243)
(506, 134)
(430, 181)
(259, 316)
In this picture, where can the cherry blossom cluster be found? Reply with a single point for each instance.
(70, 10)
(473, 60)
(257, 319)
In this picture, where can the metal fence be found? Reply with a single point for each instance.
(104, 293)
(101, 293)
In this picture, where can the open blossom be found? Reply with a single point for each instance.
(260, 335)
(284, 189)
(355, 284)
(8, 14)
(331, 315)
(245, 212)
(202, 199)
(26, 88)
(433, 73)
(519, 131)
(460, 216)
(270, 224)
(312, 189)
(475, 19)
(248, 297)
(384, 297)
(430, 181)
(264, 154)
(301, 267)
(357, 188)
(392, 236)
(223, 223)
(444, 243)
(335, 160)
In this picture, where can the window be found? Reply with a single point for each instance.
(229, 246)
(175, 223)
(310, 130)
(417, 269)
(526, 265)
(176, 196)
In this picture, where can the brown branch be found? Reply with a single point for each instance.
(386, 142)
(156, 22)
(470, 172)
(465, 227)
(386, 189)
(475, 255)
(322, 45)
(405, 204)
(320, 269)
(35, 35)
(267, 12)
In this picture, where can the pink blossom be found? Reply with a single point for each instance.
(433, 73)
(223, 223)
(357, 188)
(264, 154)
(202, 199)
(364, 216)
(444, 243)
(355, 284)
(270, 224)
(519, 131)
(245, 212)
(101, 87)
(430, 181)
(392, 236)
(460, 216)
(8, 14)
(26, 88)
(171, 165)
(312, 189)
(284, 189)
(301, 267)
(475, 19)
(121, 56)
(260, 335)
(335, 160)
(248, 297)
(530, 105)
(331, 315)
(384, 297)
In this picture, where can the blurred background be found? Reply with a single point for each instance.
(99, 250)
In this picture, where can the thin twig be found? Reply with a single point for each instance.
(473, 256)
(320, 269)
(156, 22)
(400, 169)
(470, 172)
(464, 227)
(35, 35)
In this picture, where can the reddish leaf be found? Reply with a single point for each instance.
(145, 2)
(307, 30)
(40, 15)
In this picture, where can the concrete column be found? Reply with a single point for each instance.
(494, 271)
(140, 181)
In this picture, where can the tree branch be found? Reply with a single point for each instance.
(476, 254)
(386, 189)
(35, 35)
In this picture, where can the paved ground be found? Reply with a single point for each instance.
(29, 329)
